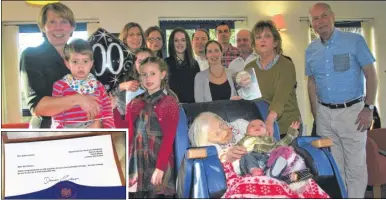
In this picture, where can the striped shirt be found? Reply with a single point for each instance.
(76, 115)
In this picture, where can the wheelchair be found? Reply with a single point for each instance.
(200, 173)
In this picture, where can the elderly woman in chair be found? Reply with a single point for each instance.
(268, 177)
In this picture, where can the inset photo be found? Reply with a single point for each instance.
(52, 165)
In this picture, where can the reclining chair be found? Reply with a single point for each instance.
(200, 173)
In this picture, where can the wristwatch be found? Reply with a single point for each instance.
(371, 107)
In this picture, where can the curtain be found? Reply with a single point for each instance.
(302, 89)
(11, 112)
(368, 34)
(92, 27)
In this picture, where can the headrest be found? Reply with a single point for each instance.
(229, 110)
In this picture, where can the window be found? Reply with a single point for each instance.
(191, 26)
(346, 26)
(30, 36)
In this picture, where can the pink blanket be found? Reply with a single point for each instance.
(266, 187)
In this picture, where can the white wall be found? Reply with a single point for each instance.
(113, 16)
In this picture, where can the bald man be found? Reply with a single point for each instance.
(336, 65)
(243, 41)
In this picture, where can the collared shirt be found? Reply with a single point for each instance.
(239, 63)
(202, 62)
(337, 66)
(229, 55)
(269, 66)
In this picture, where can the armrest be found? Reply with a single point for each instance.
(379, 137)
(322, 143)
(201, 174)
(318, 158)
(315, 157)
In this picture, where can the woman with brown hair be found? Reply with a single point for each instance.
(155, 40)
(133, 37)
(276, 76)
(182, 65)
(215, 83)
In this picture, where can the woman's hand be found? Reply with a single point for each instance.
(236, 98)
(234, 153)
(95, 124)
(88, 104)
(269, 122)
(156, 178)
(129, 85)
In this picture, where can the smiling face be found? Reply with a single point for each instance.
(199, 40)
(154, 41)
(134, 38)
(213, 54)
(243, 79)
(79, 65)
(151, 77)
(219, 132)
(57, 29)
(256, 128)
(180, 42)
(322, 19)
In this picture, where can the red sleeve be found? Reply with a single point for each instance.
(57, 91)
(107, 110)
(168, 116)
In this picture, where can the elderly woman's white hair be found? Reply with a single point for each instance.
(198, 132)
(240, 75)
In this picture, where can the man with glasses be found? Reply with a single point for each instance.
(199, 39)
(223, 34)
(243, 40)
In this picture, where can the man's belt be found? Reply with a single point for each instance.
(342, 105)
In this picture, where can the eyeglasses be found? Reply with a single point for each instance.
(152, 39)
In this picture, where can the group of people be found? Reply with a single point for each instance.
(63, 93)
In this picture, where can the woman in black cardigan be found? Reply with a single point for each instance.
(182, 65)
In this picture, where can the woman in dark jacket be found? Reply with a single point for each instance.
(182, 65)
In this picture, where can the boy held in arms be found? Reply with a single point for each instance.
(78, 57)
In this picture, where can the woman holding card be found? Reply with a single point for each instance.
(276, 77)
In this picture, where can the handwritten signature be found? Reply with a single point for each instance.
(64, 178)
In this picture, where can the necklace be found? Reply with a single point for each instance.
(210, 71)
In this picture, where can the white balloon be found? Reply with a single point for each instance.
(109, 65)
(103, 52)
(106, 59)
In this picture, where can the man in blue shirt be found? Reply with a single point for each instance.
(336, 65)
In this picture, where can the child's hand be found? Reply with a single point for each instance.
(295, 125)
(257, 171)
(129, 85)
(156, 178)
